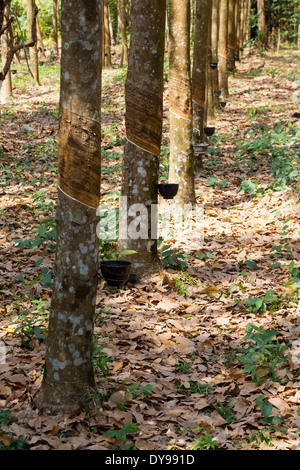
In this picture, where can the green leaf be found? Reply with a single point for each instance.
(250, 263)
(276, 265)
(270, 298)
(39, 262)
(265, 406)
(127, 252)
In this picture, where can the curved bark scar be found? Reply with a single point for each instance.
(74, 199)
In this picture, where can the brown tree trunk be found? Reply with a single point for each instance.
(68, 377)
(55, 36)
(237, 29)
(244, 14)
(40, 40)
(106, 36)
(181, 165)
(223, 54)
(210, 108)
(6, 88)
(199, 75)
(262, 27)
(231, 33)
(278, 40)
(13, 41)
(214, 49)
(34, 60)
(122, 16)
(144, 113)
(298, 38)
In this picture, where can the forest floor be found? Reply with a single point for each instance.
(207, 354)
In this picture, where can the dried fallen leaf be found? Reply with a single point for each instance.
(117, 366)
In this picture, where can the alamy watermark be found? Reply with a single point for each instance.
(295, 352)
(138, 221)
(2, 352)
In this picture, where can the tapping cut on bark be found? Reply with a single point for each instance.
(214, 51)
(78, 148)
(106, 36)
(223, 50)
(231, 33)
(69, 378)
(199, 73)
(181, 165)
(144, 113)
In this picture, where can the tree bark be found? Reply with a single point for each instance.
(210, 108)
(122, 16)
(69, 377)
(262, 27)
(244, 15)
(214, 50)
(40, 40)
(298, 38)
(199, 74)
(54, 35)
(298, 26)
(106, 36)
(34, 60)
(223, 52)
(181, 167)
(6, 88)
(231, 33)
(237, 29)
(144, 113)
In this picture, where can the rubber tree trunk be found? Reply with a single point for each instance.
(122, 17)
(210, 107)
(237, 29)
(34, 61)
(6, 88)
(68, 376)
(223, 53)
(298, 39)
(181, 165)
(199, 74)
(55, 33)
(143, 119)
(106, 36)
(13, 41)
(214, 49)
(40, 40)
(244, 15)
(262, 27)
(231, 33)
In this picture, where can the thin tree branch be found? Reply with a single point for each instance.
(30, 43)
(7, 25)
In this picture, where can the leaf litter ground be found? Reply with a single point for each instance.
(169, 343)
